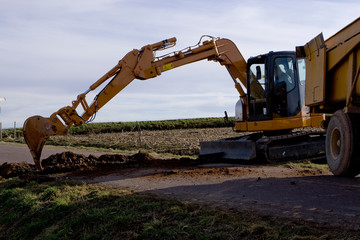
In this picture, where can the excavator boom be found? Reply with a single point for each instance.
(137, 64)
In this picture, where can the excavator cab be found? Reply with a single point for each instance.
(274, 108)
(273, 86)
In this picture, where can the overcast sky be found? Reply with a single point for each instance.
(50, 51)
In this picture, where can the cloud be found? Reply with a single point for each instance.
(50, 51)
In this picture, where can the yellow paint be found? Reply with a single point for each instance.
(280, 123)
(168, 66)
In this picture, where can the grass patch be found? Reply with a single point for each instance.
(68, 210)
(319, 165)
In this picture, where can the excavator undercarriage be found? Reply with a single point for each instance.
(281, 147)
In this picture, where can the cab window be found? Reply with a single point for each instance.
(257, 91)
(283, 75)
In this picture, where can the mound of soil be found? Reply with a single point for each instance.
(69, 162)
(8, 170)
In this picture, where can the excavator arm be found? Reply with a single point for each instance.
(137, 64)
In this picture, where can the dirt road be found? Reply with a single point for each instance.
(308, 193)
(284, 191)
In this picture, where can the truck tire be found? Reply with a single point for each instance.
(355, 159)
(342, 145)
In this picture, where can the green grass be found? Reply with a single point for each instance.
(68, 210)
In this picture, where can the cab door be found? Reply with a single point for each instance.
(285, 100)
(273, 86)
(258, 88)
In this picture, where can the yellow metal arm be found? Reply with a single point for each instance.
(137, 64)
(141, 64)
(221, 50)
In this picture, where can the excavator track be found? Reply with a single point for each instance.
(297, 145)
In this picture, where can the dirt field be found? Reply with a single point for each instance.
(178, 142)
(306, 192)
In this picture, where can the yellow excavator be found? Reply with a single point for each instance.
(279, 92)
(271, 104)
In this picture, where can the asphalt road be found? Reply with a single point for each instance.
(280, 191)
(20, 152)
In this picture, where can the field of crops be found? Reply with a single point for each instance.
(176, 141)
(112, 127)
(178, 137)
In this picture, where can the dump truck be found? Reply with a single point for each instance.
(328, 73)
(333, 88)
(271, 103)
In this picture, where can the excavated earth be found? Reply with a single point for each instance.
(66, 162)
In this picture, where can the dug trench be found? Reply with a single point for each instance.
(78, 164)
(303, 192)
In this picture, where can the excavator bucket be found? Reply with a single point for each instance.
(36, 130)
